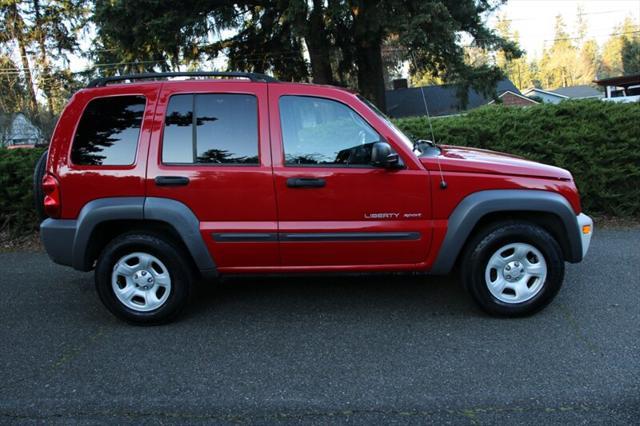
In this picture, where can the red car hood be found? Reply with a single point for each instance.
(472, 160)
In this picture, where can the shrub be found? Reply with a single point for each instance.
(598, 142)
(16, 189)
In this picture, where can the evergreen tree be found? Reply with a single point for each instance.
(518, 70)
(631, 55)
(344, 38)
(13, 96)
(612, 56)
(14, 31)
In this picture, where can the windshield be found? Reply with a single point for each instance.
(404, 138)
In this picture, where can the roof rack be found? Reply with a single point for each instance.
(100, 82)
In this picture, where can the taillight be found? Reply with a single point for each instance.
(52, 202)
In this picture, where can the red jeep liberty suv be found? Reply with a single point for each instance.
(156, 183)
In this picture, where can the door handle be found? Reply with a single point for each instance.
(305, 183)
(172, 180)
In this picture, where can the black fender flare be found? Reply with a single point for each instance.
(172, 212)
(474, 207)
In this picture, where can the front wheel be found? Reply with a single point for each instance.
(513, 268)
(143, 278)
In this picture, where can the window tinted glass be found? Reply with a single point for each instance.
(177, 144)
(108, 131)
(226, 129)
(321, 131)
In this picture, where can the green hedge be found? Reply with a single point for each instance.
(598, 142)
(16, 189)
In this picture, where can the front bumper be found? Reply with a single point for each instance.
(585, 229)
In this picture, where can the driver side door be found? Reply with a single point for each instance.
(336, 210)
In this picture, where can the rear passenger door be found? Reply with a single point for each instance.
(210, 151)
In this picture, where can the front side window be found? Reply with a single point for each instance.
(317, 131)
(211, 129)
(108, 132)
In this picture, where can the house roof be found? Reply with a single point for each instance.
(581, 91)
(519, 95)
(546, 92)
(441, 100)
(623, 81)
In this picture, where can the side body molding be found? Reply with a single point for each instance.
(472, 208)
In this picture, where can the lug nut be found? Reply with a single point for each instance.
(508, 268)
(508, 277)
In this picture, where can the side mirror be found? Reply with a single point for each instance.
(382, 155)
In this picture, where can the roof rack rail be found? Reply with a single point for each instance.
(103, 81)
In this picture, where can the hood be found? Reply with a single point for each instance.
(473, 160)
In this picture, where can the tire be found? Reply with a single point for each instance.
(153, 277)
(512, 269)
(38, 194)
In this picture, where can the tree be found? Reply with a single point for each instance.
(612, 56)
(43, 31)
(55, 23)
(13, 30)
(429, 36)
(13, 96)
(565, 63)
(518, 70)
(631, 55)
(344, 38)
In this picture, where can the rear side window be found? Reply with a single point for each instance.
(211, 129)
(108, 132)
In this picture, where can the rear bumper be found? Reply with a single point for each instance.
(58, 237)
(584, 223)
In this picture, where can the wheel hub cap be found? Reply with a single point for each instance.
(141, 282)
(513, 271)
(143, 279)
(516, 273)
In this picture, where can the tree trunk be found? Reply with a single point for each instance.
(318, 45)
(371, 74)
(26, 70)
(368, 34)
(18, 27)
(44, 60)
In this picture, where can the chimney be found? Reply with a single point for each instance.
(400, 83)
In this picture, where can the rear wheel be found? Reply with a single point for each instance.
(143, 278)
(513, 268)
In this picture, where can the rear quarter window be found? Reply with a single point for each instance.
(108, 132)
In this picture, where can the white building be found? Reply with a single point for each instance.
(625, 88)
(564, 93)
(16, 130)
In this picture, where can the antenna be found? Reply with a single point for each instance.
(443, 184)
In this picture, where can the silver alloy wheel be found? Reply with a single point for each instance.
(141, 282)
(516, 272)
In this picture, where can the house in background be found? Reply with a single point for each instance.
(442, 100)
(555, 96)
(17, 131)
(510, 98)
(621, 89)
